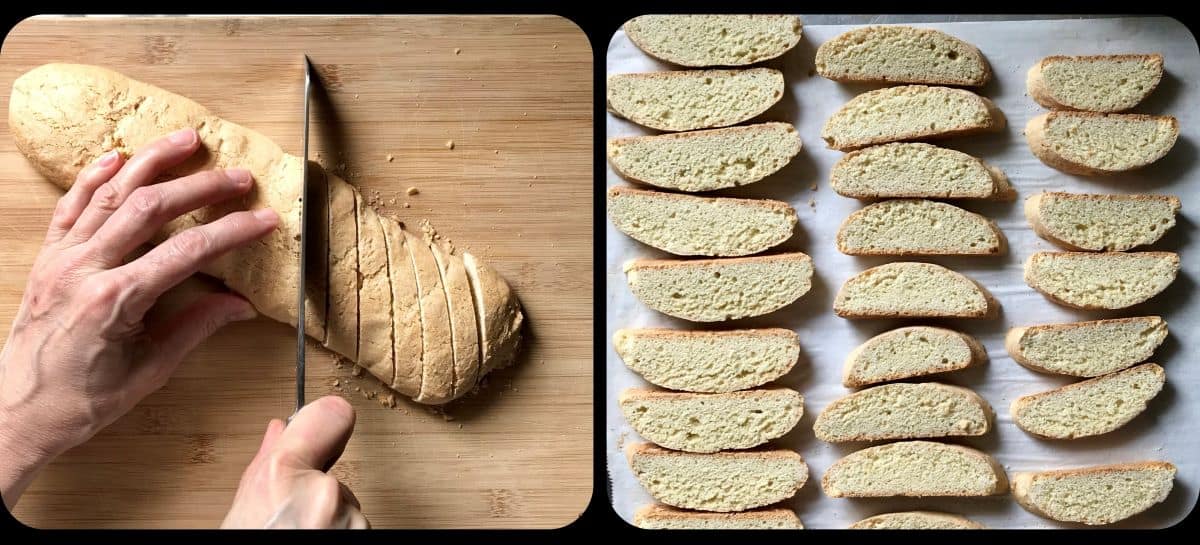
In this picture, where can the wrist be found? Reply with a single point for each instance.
(22, 458)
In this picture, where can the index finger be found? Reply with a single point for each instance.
(318, 433)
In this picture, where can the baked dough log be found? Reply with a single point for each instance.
(64, 116)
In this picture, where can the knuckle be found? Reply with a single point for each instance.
(106, 198)
(147, 201)
(192, 242)
(103, 292)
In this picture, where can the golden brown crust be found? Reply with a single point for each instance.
(614, 145)
(869, 523)
(651, 394)
(776, 76)
(1023, 480)
(989, 415)
(1035, 82)
(761, 453)
(784, 517)
(769, 204)
(992, 306)
(849, 380)
(644, 264)
(995, 122)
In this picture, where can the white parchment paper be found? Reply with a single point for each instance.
(1168, 430)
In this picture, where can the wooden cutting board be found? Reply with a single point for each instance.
(514, 95)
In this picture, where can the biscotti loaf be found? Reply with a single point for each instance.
(710, 422)
(910, 352)
(707, 226)
(721, 481)
(708, 361)
(917, 469)
(909, 112)
(1093, 144)
(1114, 223)
(662, 517)
(705, 160)
(918, 170)
(908, 227)
(902, 54)
(1086, 349)
(1090, 407)
(912, 290)
(64, 116)
(1109, 280)
(714, 40)
(904, 411)
(1094, 495)
(714, 290)
(1094, 83)
(694, 99)
(916, 520)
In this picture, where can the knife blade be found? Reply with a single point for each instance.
(301, 299)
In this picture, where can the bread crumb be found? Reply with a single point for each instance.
(406, 205)
(497, 152)
(457, 50)
(357, 371)
(812, 203)
(355, 96)
(555, 46)
(460, 426)
(336, 382)
(813, 186)
(413, 191)
(388, 401)
(449, 143)
(390, 158)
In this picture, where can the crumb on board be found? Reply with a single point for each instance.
(457, 50)
(406, 205)
(413, 191)
(813, 186)
(390, 158)
(460, 426)
(449, 144)
(357, 371)
(497, 152)
(555, 46)
(812, 203)
(336, 382)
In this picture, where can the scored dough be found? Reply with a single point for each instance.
(342, 334)
(374, 296)
(406, 312)
(437, 368)
(462, 319)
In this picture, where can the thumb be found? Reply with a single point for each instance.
(318, 433)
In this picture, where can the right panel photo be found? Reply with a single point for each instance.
(902, 271)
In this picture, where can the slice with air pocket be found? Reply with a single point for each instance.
(910, 227)
(902, 54)
(711, 422)
(1086, 349)
(694, 99)
(909, 112)
(714, 40)
(1091, 407)
(910, 352)
(708, 361)
(1111, 223)
(713, 290)
(1094, 144)
(1110, 280)
(707, 226)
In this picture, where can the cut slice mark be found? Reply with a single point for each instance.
(387, 269)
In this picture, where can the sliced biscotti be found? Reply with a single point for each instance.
(720, 481)
(437, 369)
(910, 352)
(707, 226)
(714, 40)
(497, 313)
(1091, 407)
(918, 170)
(342, 299)
(706, 160)
(406, 312)
(907, 227)
(374, 296)
(712, 290)
(710, 422)
(464, 333)
(1113, 223)
(909, 112)
(708, 361)
(902, 54)
(662, 517)
(1094, 83)
(904, 411)
(916, 520)
(694, 99)
(916, 469)
(1094, 495)
(1094, 144)
(1086, 349)
(912, 290)
(1109, 280)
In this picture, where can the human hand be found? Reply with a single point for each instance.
(79, 354)
(287, 484)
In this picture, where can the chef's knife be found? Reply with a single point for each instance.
(301, 299)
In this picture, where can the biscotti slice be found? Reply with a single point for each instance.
(907, 227)
(1093, 144)
(714, 40)
(708, 361)
(1091, 407)
(711, 422)
(912, 290)
(917, 170)
(694, 99)
(914, 469)
(904, 411)
(909, 112)
(706, 160)
(902, 54)
(1086, 349)
(463, 331)
(406, 312)
(437, 370)
(707, 226)
(712, 290)
(662, 517)
(916, 520)
(374, 296)
(1109, 280)
(1094, 495)
(1111, 223)
(910, 352)
(497, 314)
(721, 481)
(342, 309)
(1095, 83)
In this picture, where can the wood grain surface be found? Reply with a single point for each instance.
(514, 95)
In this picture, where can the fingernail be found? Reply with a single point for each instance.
(239, 176)
(108, 158)
(183, 137)
(247, 313)
(266, 214)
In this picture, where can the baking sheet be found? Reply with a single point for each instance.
(1162, 432)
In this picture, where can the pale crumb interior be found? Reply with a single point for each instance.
(686, 225)
(902, 411)
(1101, 85)
(1108, 281)
(713, 422)
(911, 169)
(900, 54)
(1098, 406)
(905, 112)
(910, 352)
(1106, 222)
(722, 363)
(707, 161)
(716, 40)
(1091, 350)
(911, 288)
(710, 293)
(1100, 498)
(710, 483)
(697, 99)
(911, 468)
(1110, 143)
(917, 226)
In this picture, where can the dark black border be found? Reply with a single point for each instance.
(598, 20)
